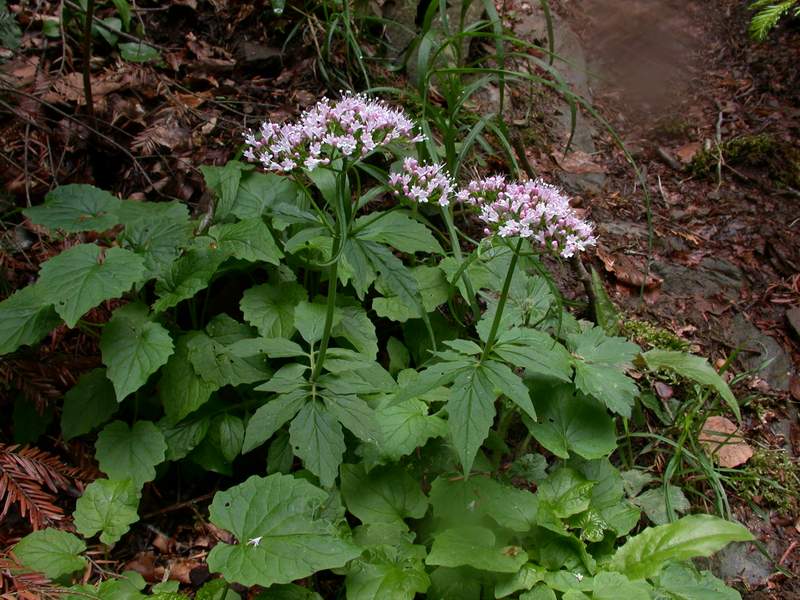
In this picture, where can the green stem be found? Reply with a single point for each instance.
(498, 315)
(456, 247)
(326, 332)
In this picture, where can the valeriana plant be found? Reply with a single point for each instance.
(324, 339)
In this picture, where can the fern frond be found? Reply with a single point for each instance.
(768, 16)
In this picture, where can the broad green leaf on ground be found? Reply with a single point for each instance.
(76, 207)
(653, 503)
(227, 433)
(534, 351)
(25, 318)
(645, 554)
(133, 212)
(258, 193)
(683, 582)
(130, 452)
(216, 589)
(472, 500)
(108, 507)
(133, 347)
(475, 547)
(157, 238)
(539, 592)
(386, 581)
(463, 583)
(127, 586)
(249, 240)
(356, 327)
(397, 229)
(692, 367)
(634, 481)
(181, 389)
(52, 552)
(309, 319)
(608, 585)
(526, 578)
(88, 404)
(470, 414)
(384, 495)
(571, 424)
(270, 308)
(288, 592)
(271, 416)
(213, 356)
(433, 289)
(82, 277)
(138, 52)
(224, 182)
(188, 275)
(607, 504)
(280, 535)
(183, 437)
(318, 439)
(566, 491)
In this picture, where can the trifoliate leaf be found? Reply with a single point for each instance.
(82, 277)
(282, 538)
(76, 207)
(258, 193)
(52, 552)
(270, 308)
(108, 507)
(88, 404)
(130, 453)
(25, 318)
(138, 52)
(134, 347)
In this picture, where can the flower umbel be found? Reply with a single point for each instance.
(351, 128)
(422, 183)
(533, 210)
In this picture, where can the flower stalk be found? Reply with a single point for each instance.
(498, 315)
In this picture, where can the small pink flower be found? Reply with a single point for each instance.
(422, 183)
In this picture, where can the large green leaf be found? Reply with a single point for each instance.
(52, 552)
(25, 318)
(224, 182)
(572, 424)
(433, 290)
(258, 193)
(394, 276)
(645, 554)
(183, 437)
(318, 439)
(386, 581)
(683, 582)
(249, 240)
(470, 414)
(158, 237)
(130, 453)
(508, 383)
(108, 507)
(534, 351)
(271, 416)
(405, 426)
(134, 347)
(566, 492)
(88, 404)
(384, 495)
(654, 503)
(188, 275)
(227, 433)
(281, 533)
(82, 277)
(692, 367)
(475, 547)
(356, 327)
(608, 585)
(309, 319)
(181, 389)
(76, 207)
(270, 308)
(397, 229)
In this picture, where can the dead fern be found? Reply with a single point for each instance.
(19, 583)
(31, 478)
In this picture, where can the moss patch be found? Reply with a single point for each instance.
(650, 336)
(770, 478)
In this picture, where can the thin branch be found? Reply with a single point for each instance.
(87, 61)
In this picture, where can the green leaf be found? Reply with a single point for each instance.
(158, 238)
(188, 275)
(612, 586)
(130, 453)
(394, 276)
(399, 358)
(76, 207)
(356, 327)
(124, 10)
(181, 389)
(356, 268)
(683, 582)
(540, 592)
(406, 426)
(288, 592)
(318, 439)
(433, 289)
(138, 52)
(280, 457)
(384, 495)
(435, 376)
(606, 314)
(566, 491)
(25, 318)
(528, 576)
(282, 537)
(183, 437)
(82, 277)
(133, 348)
(536, 352)
(224, 182)
(270, 309)
(653, 503)
(475, 547)
(470, 414)
(609, 386)
(90, 403)
(249, 240)
(52, 552)
(397, 229)
(692, 367)
(572, 424)
(463, 583)
(386, 580)
(109, 507)
(259, 192)
(213, 357)
(227, 432)
(272, 416)
(645, 554)
(216, 589)
(309, 319)
(510, 385)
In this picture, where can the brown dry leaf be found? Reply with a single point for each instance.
(721, 438)
(180, 569)
(628, 271)
(579, 162)
(686, 152)
(663, 390)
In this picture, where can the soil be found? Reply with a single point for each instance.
(713, 257)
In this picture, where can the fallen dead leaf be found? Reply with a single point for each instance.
(686, 152)
(722, 439)
(628, 271)
(663, 390)
(579, 162)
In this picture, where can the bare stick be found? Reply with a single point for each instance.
(87, 60)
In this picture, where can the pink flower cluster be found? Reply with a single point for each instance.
(422, 183)
(534, 210)
(352, 128)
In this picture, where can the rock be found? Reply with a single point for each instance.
(711, 278)
(793, 316)
(760, 353)
(742, 562)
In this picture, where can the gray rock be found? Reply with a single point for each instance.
(793, 316)
(711, 278)
(760, 353)
(741, 562)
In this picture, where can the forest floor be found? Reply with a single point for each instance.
(711, 118)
